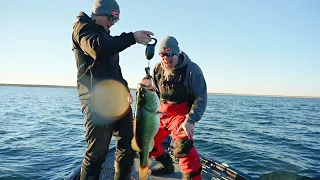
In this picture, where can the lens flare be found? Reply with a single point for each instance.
(110, 100)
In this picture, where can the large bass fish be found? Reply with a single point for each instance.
(146, 123)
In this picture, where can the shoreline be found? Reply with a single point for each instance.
(228, 94)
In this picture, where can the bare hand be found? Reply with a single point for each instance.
(188, 128)
(143, 37)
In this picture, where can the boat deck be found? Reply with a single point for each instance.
(212, 170)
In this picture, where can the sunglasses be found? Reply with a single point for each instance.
(166, 54)
(112, 18)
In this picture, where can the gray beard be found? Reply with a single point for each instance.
(167, 73)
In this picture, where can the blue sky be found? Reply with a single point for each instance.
(255, 47)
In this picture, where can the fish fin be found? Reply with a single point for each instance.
(144, 172)
(151, 145)
(134, 145)
(159, 112)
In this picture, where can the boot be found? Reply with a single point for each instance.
(122, 172)
(167, 166)
(193, 175)
(85, 176)
(189, 177)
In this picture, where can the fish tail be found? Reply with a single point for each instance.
(160, 112)
(144, 172)
(134, 145)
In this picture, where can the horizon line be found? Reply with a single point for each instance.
(217, 93)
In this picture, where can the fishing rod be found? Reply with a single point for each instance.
(216, 168)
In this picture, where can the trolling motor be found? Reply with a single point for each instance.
(149, 53)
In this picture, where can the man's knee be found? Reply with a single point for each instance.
(182, 147)
(154, 149)
(126, 155)
(123, 132)
(196, 175)
(98, 143)
(96, 152)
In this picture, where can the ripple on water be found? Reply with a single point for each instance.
(43, 135)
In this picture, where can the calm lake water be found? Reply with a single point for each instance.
(42, 133)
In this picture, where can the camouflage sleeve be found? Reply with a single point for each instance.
(198, 87)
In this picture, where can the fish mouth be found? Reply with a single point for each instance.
(148, 84)
(146, 87)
